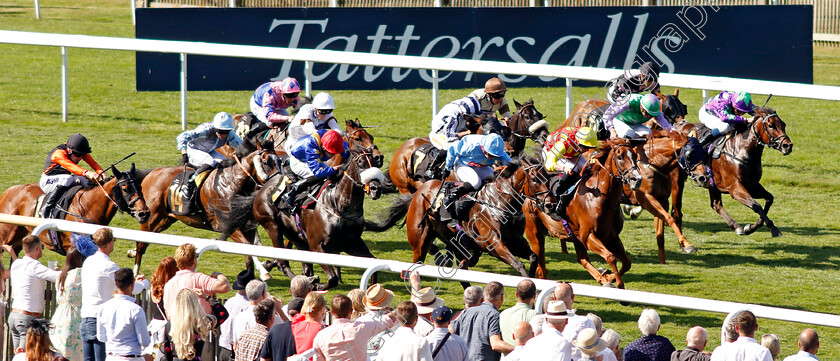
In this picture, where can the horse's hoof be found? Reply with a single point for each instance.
(739, 231)
(689, 249)
(776, 232)
(314, 279)
(624, 303)
(269, 265)
(609, 285)
(604, 271)
(132, 253)
(748, 229)
(635, 212)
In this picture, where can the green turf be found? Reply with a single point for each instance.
(794, 271)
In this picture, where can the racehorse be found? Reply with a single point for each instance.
(525, 123)
(334, 224)
(594, 218)
(738, 169)
(241, 175)
(97, 205)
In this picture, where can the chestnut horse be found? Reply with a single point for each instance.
(593, 213)
(335, 222)
(526, 123)
(241, 175)
(738, 170)
(97, 205)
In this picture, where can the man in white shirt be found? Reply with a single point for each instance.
(256, 290)
(97, 287)
(550, 345)
(404, 344)
(29, 279)
(745, 348)
(234, 306)
(809, 344)
(563, 292)
(446, 346)
(121, 323)
(522, 332)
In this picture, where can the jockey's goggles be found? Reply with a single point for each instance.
(324, 111)
(498, 95)
(222, 131)
(290, 95)
(77, 154)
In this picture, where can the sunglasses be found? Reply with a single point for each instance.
(324, 111)
(499, 95)
(223, 131)
(290, 95)
(77, 154)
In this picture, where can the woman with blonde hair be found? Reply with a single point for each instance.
(38, 345)
(190, 326)
(772, 343)
(308, 322)
(357, 295)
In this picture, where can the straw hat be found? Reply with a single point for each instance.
(426, 300)
(556, 310)
(377, 297)
(589, 343)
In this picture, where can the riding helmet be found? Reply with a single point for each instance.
(649, 70)
(78, 143)
(586, 137)
(494, 85)
(332, 141)
(323, 101)
(223, 121)
(495, 146)
(650, 103)
(743, 102)
(469, 105)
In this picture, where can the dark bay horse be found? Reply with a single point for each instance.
(335, 223)
(239, 176)
(97, 205)
(738, 170)
(593, 213)
(526, 123)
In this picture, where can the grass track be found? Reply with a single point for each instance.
(798, 270)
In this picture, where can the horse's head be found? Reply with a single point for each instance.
(672, 107)
(265, 162)
(691, 160)
(358, 137)
(128, 195)
(528, 122)
(621, 163)
(365, 158)
(769, 128)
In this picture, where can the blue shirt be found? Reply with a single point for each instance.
(802, 356)
(649, 348)
(476, 325)
(468, 151)
(308, 150)
(121, 325)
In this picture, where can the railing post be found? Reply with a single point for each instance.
(183, 91)
(438, 3)
(363, 283)
(133, 11)
(547, 3)
(232, 3)
(705, 96)
(538, 305)
(307, 77)
(434, 92)
(38, 9)
(43, 227)
(568, 97)
(64, 92)
(333, 3)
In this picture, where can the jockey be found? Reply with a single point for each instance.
(723, 111)
(492, 99)
(307, 158)
(562, 153)
(270, 101)
(646, 78)
(62, 170)
(450, 125)
(472, 159)
(311, 118)
(632, 112)
(198, 147)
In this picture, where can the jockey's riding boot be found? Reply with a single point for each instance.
(295, 188)
(458, 190)
(709, 137)
(194, 183)
(434, 170)
(50, 200)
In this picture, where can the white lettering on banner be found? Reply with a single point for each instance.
(615, 19)
(374, 49)
(577, 59)
(666, 61)
(456, 46)
(478, 50)
(294, 40)
(516, 57)
(404, 39)
(637, 37)
(343, 74)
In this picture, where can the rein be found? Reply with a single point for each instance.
(775, 143)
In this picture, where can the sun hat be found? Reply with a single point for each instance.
(378, 297)
(426, 300)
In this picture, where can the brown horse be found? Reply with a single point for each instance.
(738, 170)
(593, 213)
(239, 176)
(97, 205)
(335, 222)
(526, 123)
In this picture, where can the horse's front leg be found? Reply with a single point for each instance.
(717, 205)
(251, 238)
(745, 197)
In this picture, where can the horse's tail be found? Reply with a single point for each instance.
(239, 215)
(388, 185)
(393, 214)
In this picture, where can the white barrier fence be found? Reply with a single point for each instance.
(440, 273)
(436, 65)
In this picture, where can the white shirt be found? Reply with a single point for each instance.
(98, 283)
(743, 349)
(121, 325)
(455, 348)
(576, 324)
(514, 355)
(405, 345)
(29, 280)
(608, 354)
(234, 306)
(801, 356)
(297, 131)
(245, 320)
(423, 327)
(549, 346)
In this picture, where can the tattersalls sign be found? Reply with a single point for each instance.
(760, 42)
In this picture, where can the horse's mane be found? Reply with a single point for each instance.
(140, 174)
(764, 110)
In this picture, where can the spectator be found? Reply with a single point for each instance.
(279, 344)
(809, 344)
(306, 324)
(188, 278)
(538, 320)
(589, 344)
(550, 344)
(377, 300)
(29, 280)
(38, 345)
(426, 300)
(445, 346)
(522, 332)
(771, 341)
(164, 272)
(249, 345)
(695, 342)
(404, 344)
(479, 326)
(97, 287)
(613, 339)
(745, 348)
(299, 287)
(596, 321)
(121, 323)
(295, 306)
(357, 295)
(650, 347)
(730, 334)
(234, 305)
(191, 325)
(345, 339)
(256, 291)
(563, 292)
(67, 318)
(526, 293)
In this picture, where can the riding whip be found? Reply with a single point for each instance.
(766, 101)
(118, 162)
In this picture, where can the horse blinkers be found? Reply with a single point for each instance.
(132, 194)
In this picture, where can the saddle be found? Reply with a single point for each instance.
(715, 148)
(596, 122)
(63, 203)
(175, 202)
(423, 160)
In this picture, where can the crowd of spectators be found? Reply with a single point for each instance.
(98, 319)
